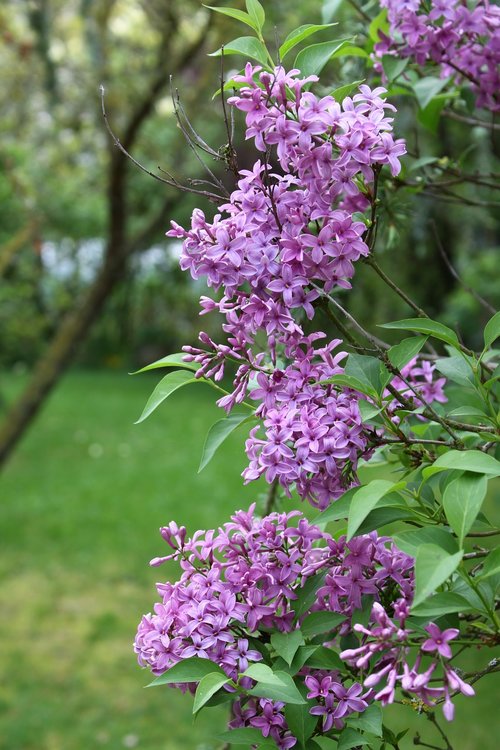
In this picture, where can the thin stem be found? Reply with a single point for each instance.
(496, 532)
(432, 718)
(271, 497)
(370, 260)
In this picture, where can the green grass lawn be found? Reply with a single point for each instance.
(80, 506)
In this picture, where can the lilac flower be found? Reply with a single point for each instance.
(438, 640)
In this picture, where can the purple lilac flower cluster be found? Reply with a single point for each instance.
(287, 233)
(386, 647)
(463, 38)
(417, 384)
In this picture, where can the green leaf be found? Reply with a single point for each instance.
(286, 644)
(218, 433)
(325, 658)
(244, 736)
(426, 326)
(286, 691)
(380, 517)
(239, 15)
(443, 603)
(365, 499)
(368, 370)
(329, 9)
(462, 500)
(207, 687)
(300, 722)
(491, 564)
(352, 50)
(298, 35)
(369, 721)
(368, 410)
(349, 738)
(400, 354)
(337, 510)
(349, 381)
(473, 460)
(492, 330)
(321, 622)
(425, 89)
(167, 385)
(262, 673)
(312, 59)
(430, 115)
(256, 12)
(300, 658)
(171, 360)
(411, 541)
(379, 23)
(433, 566)
(394, 66)
(248, 46)
(307, 594)
(457, 369)
(188, 670)
(340, 94)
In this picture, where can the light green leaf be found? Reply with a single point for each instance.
(433, 566)
(400, 354)
(248, 46)
(218, 433)
(440, 604)
(425, 89)
(369, 721)
(170, 383)
(256, 12)
(379, 23)
(188, 670)
(491, 564)
(286, 644)
(455, 368)
(349, 738)
(394, 66)
(472, 460)
(239, 15)
(411, 541)
(207, 687)
(286, 691)
(352, 50)
(262, 673)
(365, 499)
(298, 35)
(430, 115)
(348, 381)
(368, 410)
(492, 330)
(426, 326)
(171, 360)
(340, 94)
(244, 736)
(462, 500)
(368, 370)
(321, 622)
(312, 59)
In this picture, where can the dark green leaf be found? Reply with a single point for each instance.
(462, 500)
(172, 360)
(350, 382)
(256, 12)
(426, 326)
(337, 510)
(298, 35)
(188, 670)
(425, 89)
(207, 687)
(457, 369)
(441, 604)
(368, 410)
(400, 354)
(492, 330)
(411, 541)
(248, 46)
(307, 594)
(244, 736)
(433, 566)
(239, 15)
(473, 460)
(349, 738)
(325, 658)
(321, 622)
(167, 385)
(312, 60)
(380, 517)
(299, 720)
(430, 115)
(365, 369)
(491, 564)
(379, 23)
(218, 433)
(286, 644)
(365, 499)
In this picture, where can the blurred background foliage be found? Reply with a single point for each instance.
(87, 279)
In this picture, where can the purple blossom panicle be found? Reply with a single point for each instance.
(288, 233)
(462, 38)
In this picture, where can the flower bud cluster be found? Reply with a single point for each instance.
(462, 38)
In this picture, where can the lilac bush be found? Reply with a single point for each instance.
(309, 626)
